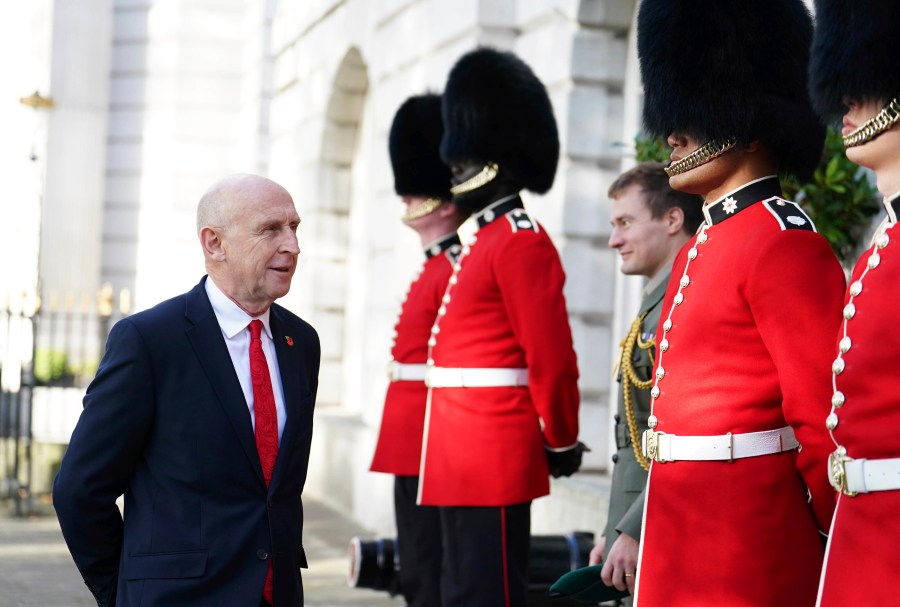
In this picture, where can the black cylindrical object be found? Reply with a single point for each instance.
(375, 564)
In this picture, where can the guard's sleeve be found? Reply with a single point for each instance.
(531, 278)
(631, 521)
(101, 456)
(795, 291)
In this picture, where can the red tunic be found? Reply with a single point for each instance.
(863, 557)
(399, 446)
(485, 446)
(748, 350)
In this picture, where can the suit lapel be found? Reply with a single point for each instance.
(205, 337)
(288, 353)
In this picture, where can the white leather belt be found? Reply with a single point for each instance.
(403, 372)
(662, 447)
(865, 475)
(469, 377)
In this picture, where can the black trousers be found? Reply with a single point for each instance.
(419, 545)
(485, 555)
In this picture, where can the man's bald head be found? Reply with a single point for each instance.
(247, 227)
(221, 200)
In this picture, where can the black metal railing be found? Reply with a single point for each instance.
(47, 344)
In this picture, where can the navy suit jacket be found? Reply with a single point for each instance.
(166, 424)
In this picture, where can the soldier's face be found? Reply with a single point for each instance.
(464, 171)
(879, 154)
(643, 243)
(480, 197)
(707, 179)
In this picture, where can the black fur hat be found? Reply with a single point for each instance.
(414, 141)
(856, 53)
(496, 110)
(731, 68)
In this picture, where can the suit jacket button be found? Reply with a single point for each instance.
(261, 554)
(617, 417)
(615, 458)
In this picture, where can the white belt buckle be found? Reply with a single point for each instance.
(650, 445)
(837, 471)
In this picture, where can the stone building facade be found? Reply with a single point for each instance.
(183, 92)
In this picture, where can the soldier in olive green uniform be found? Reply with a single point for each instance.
(650, 224)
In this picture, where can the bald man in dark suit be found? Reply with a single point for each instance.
(201, 416)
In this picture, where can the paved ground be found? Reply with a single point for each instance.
(37, 571)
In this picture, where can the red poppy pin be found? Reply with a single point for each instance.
(289, 340)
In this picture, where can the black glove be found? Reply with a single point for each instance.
(566, 463)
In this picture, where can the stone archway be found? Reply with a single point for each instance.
(340, 136)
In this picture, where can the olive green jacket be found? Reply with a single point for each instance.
(626, 500)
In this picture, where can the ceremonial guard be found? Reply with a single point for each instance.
(734, 505)
(503, 400)
(423, 182)
(856, 74)
(650, 223)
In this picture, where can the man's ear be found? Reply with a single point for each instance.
(211, 241)
(753, 145)
(674, 220)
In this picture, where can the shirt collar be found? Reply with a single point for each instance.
(441, 244)
(741, 198)
(231, 318)
(892, 206)
(488, 214)
(662, 275)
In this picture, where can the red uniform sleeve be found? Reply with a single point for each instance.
(795, 292)
(531, 280)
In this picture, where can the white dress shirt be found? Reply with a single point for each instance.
(233, 321)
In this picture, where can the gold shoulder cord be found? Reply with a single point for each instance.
(630, 379)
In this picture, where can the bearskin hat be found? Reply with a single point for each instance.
(855, 53)
(496, 110)
(717, 69)
(413, 143)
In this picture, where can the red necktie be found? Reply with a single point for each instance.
(266, 419)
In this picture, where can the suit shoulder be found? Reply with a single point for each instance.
(296, 323)
(165, 312)
(788, 215)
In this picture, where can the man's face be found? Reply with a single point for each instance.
(878, 154)
(481, 197)
(414, 205)
(707, 177)
(464, 171)
(260, 247)
(641, 241)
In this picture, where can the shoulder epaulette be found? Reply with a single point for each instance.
(520, 220)
(789, 214)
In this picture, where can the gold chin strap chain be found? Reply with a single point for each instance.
(630, 379)
(875, 126)
(484, 176)
(702, 155)
(426, 208)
